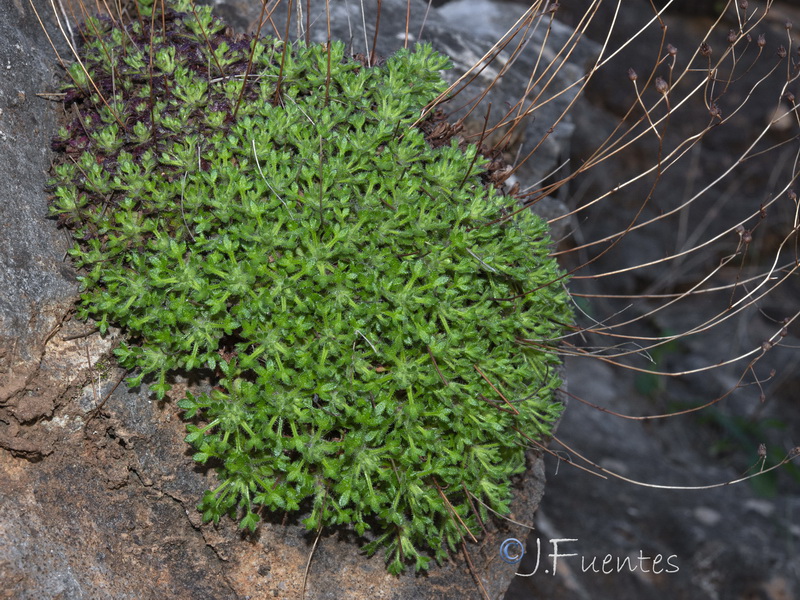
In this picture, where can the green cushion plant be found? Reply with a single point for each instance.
(359, 295)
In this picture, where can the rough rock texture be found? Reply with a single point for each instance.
(110, 514)
(97, 488)
(36, 285)
(34, 279)
(728, 543)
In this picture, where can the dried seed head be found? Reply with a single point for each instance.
(762, 41)
(747, 236)
(781, 52)
(661, 86)
(766, 345)
(762, 449)
(705, 49)
(789, 97)
(632, 75)
(441, 130)
(792, 195)
(672, 50)
(788, 25)
(732, 37)
(743, 4)
(715, 111)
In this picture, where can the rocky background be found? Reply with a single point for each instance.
(737, 542)
(97, 488)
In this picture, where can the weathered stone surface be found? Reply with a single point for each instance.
(725, 543)
(110, 514)
(34, 279)
(36, 284)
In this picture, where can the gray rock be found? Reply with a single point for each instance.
(37, 286)
(35, 281)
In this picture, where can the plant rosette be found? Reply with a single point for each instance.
(380, 320)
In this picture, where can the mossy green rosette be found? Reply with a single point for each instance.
(360, 296)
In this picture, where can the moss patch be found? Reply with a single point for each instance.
(359, 294)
